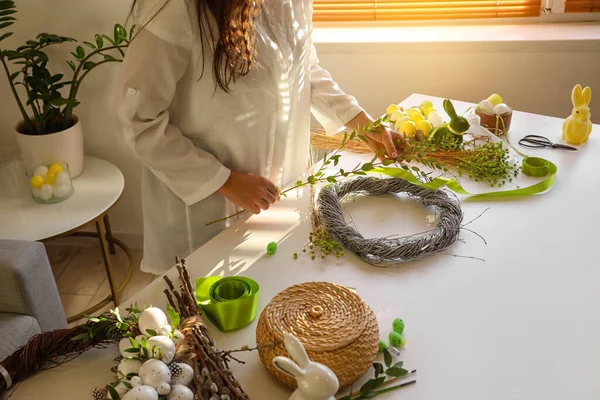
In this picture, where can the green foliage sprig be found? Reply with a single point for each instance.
(52, 97)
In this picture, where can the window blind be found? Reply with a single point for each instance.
(582, 6)
(398, 10)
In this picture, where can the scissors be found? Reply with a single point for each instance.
(535, 141)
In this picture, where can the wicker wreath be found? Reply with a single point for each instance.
(383, 252)
(335, 326)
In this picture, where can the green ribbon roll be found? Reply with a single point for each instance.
(456, 187)
(535, 166)
(229, 303)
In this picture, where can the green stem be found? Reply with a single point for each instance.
(28, 124)
(68, 111)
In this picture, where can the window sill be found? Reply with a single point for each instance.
(579, 34)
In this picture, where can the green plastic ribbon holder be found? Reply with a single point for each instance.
(229, 303)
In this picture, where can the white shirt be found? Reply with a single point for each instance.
(189, 134)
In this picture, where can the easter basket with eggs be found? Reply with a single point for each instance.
(494, 114)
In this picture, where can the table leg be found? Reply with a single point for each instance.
(101, 228)
(109, 235)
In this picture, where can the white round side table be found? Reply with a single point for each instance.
(96, 191)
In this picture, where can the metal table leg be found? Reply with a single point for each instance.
(109, 235)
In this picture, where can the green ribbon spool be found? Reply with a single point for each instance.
(535, 166)
(230, 303)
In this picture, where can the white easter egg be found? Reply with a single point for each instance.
(486, 106)
(129, 366)
(396, 115)
(165, 330)
(180, 392)
(154, 373)
(152, 319)
(502, 109)
(121, 389)
(185, 377)
(177, 336)
(136, 381)
(46, 192)
(36, 192)
(435, 118)
(141, 393)
(62, 178)
(161, 347)
(163, 389)
(41, 170)
(139, 338)
(125, 344)
(61, 191)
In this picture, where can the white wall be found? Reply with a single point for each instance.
(532, 76)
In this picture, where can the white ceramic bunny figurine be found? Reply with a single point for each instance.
(315, 381)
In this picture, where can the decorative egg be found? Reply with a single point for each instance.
(36, 181)
(400, 121)
(396, 115)
(54, 169)
(382, 346)
(125, 344)
(50, 179)
(165, 330)
(162, 348)
(424, 127)
(398, 325)
(502, 109)
(128, 366)
(425, 106)
(41, 170)
(37, 193)
(485, 106)
(391, 109)
(177, 336)
(63, 178)
(153, 319)
(495, 99)
(121, 388)
(435, 118)
(136, 381)
(154, 373)
(141, 393)
(180, 392)
(185, 377)
(395, 339)
(163, 389)
(61, 191)
(45, 192)
(139, 338)
(408, 128)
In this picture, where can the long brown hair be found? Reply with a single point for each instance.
(234, 52)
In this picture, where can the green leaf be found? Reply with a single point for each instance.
(117, 314)
(14, 75)
(58, 103)
(132, 350)
(359, 173)
(298, 183)
(6, 24)
(367, 167)
(4, 19)
(8, 34)
(387, 162)
(108, 57)
(331, 179)
(353, 134)
(345, 138)
(134, 343)
(99, 41)
(113, 393)
(132, 31)
(173, 316)
(399, 364)
(416, 169)
(72, 65)
(127, 385)
(363, 138)
(80, 52)
(110, 40)
(120, 34)
(396, 371)
(387, 358)
(378, 369)
(91, 45)
(372, 384)
(81, 336)
(88, 65)
(130, 375)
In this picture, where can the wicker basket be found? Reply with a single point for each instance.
(336, 327)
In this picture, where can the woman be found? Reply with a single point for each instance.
(215, 99)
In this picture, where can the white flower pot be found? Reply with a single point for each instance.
(65, 146)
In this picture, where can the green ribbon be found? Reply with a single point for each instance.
(229, 303)
(456, 187)
(535, 166)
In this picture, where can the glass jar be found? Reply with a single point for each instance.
(50, 183)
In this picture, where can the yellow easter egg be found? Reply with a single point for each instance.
(391, 109)
(495, 99)
(408, 129)
(50, 178)
(36, 181)
(400, 121)
(416, 118)
(429, 111)
(396, 115)
(425, 106)
(425, 127)
(54, 169)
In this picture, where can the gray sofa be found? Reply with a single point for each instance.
(29, 300)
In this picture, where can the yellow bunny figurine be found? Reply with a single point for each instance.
(577, 127)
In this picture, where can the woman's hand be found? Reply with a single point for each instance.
(253, 193)
(383, 137)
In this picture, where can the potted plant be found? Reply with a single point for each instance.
(49, 130)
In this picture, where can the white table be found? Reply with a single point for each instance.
(521, 325)
(96, 191)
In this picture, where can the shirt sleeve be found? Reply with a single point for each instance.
(329, 104)
(152, 67)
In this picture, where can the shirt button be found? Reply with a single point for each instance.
(132, 91)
